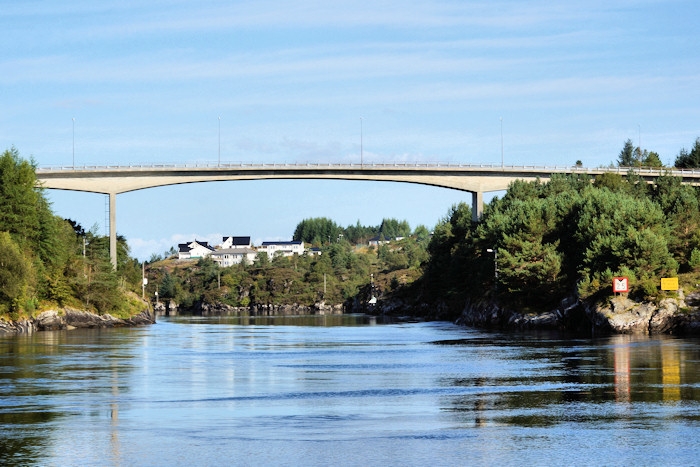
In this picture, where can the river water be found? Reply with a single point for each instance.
(344, 390)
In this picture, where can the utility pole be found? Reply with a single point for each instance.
(361, 149)
(502, 142)
(144, 280)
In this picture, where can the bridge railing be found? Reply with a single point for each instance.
(370, 165)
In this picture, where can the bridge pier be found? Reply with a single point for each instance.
(113, 229)
(477, 205)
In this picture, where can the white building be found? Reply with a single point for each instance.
(229, 256)
(194, 250)
(283, 248)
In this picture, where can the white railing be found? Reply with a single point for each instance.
(370, 165)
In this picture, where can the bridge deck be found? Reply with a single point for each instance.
(467, 177)
(474, 178)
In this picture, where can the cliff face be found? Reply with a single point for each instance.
(69, 318)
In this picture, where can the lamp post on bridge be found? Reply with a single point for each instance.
(361, 149)
(219, 141)
(502, 142)
(73, 143)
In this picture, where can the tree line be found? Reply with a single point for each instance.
(321, 230)
(540, 243)
(543, 242)
(631, 156)
(48, 261)
(344, 269)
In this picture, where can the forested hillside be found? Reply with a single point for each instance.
(540, 243)
(571, 236)
(345, 269)
(48, 261)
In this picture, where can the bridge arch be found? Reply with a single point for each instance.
(476, 179)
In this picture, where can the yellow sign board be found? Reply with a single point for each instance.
(669, 283)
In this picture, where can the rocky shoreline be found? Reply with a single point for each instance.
(618, 315)
(69, 318)
(615, 315)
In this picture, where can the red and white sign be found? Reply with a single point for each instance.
(620, 285)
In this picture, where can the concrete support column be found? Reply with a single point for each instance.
(113, 229)
(477, 205)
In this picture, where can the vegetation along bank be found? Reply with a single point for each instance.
(53, 273)
(543, 256)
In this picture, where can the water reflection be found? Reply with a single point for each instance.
(671, 372)
(44, 378)
(228, 390)
(292, 320)
(593, 382)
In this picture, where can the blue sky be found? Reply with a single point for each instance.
(147, 82)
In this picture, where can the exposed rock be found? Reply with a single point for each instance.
(144, 318)
(49, 320)
(17, 327)
(623, 316)
(666, 319)
(490, 315)
(53, 320)
(619, 315)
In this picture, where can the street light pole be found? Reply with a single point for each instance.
(219, 140)
(501, 142)
(361, 149)
(73, 142)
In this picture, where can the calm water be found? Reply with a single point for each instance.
(345, 391)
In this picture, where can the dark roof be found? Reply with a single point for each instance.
(185, 247)
(282, 243)
(241, 241)
(204, 244)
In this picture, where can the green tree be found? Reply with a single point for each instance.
(262, 259)
(689, 160)
(19, 199)
(615, 230)
(681, 206)
(318, 230)
(168, 288)
(360, 234)
(627, 157)
(651, 159)
(393, 228)
(611, 181)
(422, 235)
(14, 273)
(694, 261)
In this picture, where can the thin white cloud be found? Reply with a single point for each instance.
(143, 248)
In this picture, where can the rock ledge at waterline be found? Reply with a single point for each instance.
(69, 318)
(619, 315)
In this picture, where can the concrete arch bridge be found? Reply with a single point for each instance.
(476, 179)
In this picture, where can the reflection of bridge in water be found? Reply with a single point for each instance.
(476, 179)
